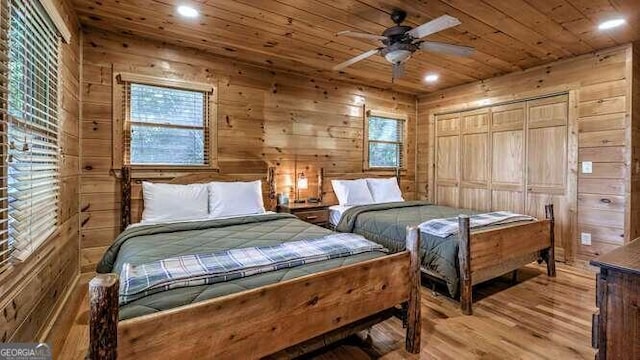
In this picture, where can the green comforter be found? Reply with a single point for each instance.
(386, 224)
(147, 243)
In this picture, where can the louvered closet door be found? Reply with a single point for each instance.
(547, 164)
(507, 157)
(447, 157)
(474, 181)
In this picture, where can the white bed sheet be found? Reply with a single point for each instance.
(193, 220)
(335, 213)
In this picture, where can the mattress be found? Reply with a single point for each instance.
(147, 243)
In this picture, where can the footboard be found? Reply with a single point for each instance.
(258, 322)
(487, 254)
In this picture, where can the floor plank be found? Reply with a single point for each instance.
(537, 318)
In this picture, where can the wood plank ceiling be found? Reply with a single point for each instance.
(299, 35)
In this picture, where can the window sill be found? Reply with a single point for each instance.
(385, 169)
(166, 171)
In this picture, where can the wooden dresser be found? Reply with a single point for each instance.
(616, 325)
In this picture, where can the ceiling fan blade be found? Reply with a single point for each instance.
(361, 35)
(448, 49)
(433, 26)
(356, 59)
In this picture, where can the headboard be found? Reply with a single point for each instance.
(132, 201)
(329, 197)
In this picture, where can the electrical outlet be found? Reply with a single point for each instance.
(585, 238)
(587, 167)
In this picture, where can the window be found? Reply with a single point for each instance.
(30, 194)
(384, 141)
(166, 126)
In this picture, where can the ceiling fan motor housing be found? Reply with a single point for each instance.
(396, 34)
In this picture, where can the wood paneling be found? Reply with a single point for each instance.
(300, 35)
(633, 212)
(604, 134)
(32, 293)
(264, 117)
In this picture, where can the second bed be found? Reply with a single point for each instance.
(461, 260)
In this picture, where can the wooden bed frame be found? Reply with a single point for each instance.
(487, 254)
(287, 318)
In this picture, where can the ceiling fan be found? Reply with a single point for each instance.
(401, 41)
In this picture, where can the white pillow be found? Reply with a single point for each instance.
(352, 192)
(385, 190)
(235, 198)
(171, 202)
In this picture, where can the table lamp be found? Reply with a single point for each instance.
(301, 183)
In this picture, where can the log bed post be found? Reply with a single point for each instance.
(464, 258)
(271, 179)
(414, 321)
(103, 317)
(549, 255)
(125, 201)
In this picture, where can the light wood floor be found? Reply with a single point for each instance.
(538, 318)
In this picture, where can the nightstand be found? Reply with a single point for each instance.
(314, 213)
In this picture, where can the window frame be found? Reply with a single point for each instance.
(403, 118)
(122, 126)
(9, 259)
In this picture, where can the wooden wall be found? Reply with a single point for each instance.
(634, 218)
(32, 293)
(263, 117)
(601, 83)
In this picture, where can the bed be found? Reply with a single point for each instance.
(248, 317)
(460, 261)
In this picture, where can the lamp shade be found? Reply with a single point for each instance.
(303, 182)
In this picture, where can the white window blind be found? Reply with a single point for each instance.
(31, 206)
(385, 142)
(166, 126)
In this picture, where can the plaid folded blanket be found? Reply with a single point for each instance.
(137, 281)
(445, 227)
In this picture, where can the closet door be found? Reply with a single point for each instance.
(507, 157)
(447, 159)
(474, 180)
(547, 163)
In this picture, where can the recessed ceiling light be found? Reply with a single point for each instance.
(610, 24)
(431, 78)
(187, 11)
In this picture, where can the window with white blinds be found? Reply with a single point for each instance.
(165, 126)
(385, 142)
(30, 194)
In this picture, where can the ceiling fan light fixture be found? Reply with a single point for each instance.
(399, 42)
(187, 11)
(430, 78)
(397, 56)
(610, 24)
